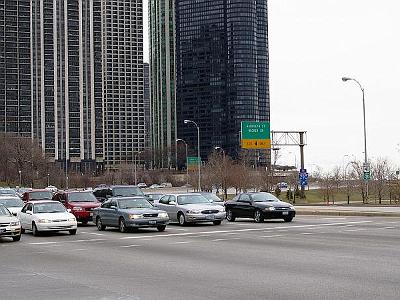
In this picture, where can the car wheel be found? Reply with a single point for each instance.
(181, 219)
(35, 231)
(161, 228)
(100, 225)
(258, 217)
(217, 222)
(72, 231)
(122, 226)
(288, 219)
(229, 216)
(16, 238)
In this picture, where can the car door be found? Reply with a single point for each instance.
(114, 213)
(244, 207)
(172, 208)
(163, 204)
(22, 216)
(104, 213)
(29, 216)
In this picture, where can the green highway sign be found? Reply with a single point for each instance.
(256, 135)
(192, 163)
(367, 175)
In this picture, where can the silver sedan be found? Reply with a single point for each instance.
(191, 208)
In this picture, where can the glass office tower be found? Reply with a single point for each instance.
(162, 66)
(221, 70)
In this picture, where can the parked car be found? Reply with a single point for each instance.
(12, 203)
(259, 206)
(282, 185)
(213, 198)
(142, 185)
(8, 192)
(35, 195)
(46, 215)
(129, 212)
(102, 193)
(9, 225)
(154, 197)
(80, 203)
(191, 208)
(156, 186)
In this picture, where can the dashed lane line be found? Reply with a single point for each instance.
(271, 236)
(130, 246)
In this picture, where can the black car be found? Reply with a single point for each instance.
(102, 193)
(259, 206)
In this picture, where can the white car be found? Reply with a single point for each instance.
(9, 225)
(13, 204)
(47, 215)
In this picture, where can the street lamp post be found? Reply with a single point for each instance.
(224, 187)
(198, 150)
(365, 133)
(48, 179)
(20, 177)
(186, 151)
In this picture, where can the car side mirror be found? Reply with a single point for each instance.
(28, 212)
(172, 203)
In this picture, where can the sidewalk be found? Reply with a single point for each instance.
(340, 210)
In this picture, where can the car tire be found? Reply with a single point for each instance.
(16, 238)
(181, 219)
(122, 225)
(100, 225)
(35, 231)
(217, 222)
(72, 231)
(229, 215)
(288, 219)
(161, 228)
(258, 217)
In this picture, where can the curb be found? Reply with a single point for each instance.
(345, 213)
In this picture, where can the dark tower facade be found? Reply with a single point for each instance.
(222, 70)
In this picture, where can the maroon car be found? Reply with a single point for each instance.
(80, 203)
(34, 195)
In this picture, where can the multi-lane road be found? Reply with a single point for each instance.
(312, 258)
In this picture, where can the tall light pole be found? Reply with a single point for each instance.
(20, 178)
(198, 149)
(186, 151)
(135, 159)
(366, 166)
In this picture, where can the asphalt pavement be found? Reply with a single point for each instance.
(314, 257)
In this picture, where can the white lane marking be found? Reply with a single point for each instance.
(82, 241)
(186, 242)
(202, 235)
(219, 240)
(82, 232)
(390, 227)
(78, 249)
(43, 243)
(332, 218)
(232, 233)
(353, 230)
(130, 246)
(99, 234)
(271, 236)
(306, 233)
(243, 230)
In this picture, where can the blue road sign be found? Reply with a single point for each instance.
(303, 177)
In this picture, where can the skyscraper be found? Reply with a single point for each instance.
(124, 122)
(15, 67)
(67, 81)
(162, 65)
(221, 70)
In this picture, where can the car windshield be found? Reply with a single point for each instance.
(8, 192)
(155, 196)
(42, 208)
(45, 195)
(11, 202)
(81, 197)
(134, 203)
(212, 197)
(192, 199)
(127, 191)
(264, 197)
(4, 211)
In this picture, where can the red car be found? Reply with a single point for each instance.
(80, 203)
(35, 195)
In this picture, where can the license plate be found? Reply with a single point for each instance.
(211, 217)
(285, 213)
(91, 214)
(152, 222)
(2, 230)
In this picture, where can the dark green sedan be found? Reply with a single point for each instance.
(129, 213)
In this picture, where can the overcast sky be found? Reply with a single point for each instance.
(313, 43)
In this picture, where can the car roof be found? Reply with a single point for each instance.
(128, 197)
(42, 201)
(182, 194)
(3, 196)
(38, 190)
(75, 191)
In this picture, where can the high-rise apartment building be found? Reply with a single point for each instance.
(221, 70)
(15, 67)
(67, 82)
(163, 96)
(124, 123)
(146, 102)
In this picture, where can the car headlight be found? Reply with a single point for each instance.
(77, 208)
(17, 223)
(194, 211)
(270, 208)
(163, 215)
(292, 207)
(222, 209)
(135, 216)
(44, 221)
(72, 220)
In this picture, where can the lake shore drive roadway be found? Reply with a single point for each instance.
(315, 257)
